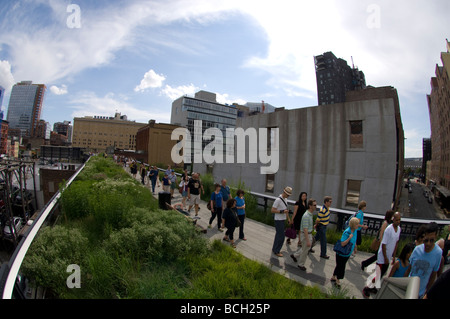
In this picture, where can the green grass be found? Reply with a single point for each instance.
(227, 274)
(127, 248)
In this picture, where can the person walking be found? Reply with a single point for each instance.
(306, 227)
(143, 173)
(387, 221)
(360, 215)
(194, 187)
(225, 190)
(230, 221)
(184, 189)
(322, 221)
(216, 207)
(300, 208)
(281, 214)
(240, 206)
(154, 177)
(166, 183)
(173, 182)
(348, 238)
(426, 260)
(387, 250)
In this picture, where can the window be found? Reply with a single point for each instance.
(356, 134)
(353, 192)
(270, 183)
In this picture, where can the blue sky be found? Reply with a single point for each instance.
(137, 56)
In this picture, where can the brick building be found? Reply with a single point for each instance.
(439, 109)
(155, 143)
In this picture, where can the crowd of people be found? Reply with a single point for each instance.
(425, 258)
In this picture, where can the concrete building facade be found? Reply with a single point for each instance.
(97, 133)
(351, 151)
(204, 107)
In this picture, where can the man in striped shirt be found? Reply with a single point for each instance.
(322, 221)
(306, 228)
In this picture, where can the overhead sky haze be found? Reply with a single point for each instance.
(136, 56)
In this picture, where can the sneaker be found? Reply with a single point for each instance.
(303, 268)
(293, 258)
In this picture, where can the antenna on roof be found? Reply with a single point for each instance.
(353, 64)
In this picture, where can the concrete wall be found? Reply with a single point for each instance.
(315, 154)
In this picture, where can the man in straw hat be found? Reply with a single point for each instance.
(280, 213)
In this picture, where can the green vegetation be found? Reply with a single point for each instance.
(127, 248)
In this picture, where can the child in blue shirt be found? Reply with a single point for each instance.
(402, 264)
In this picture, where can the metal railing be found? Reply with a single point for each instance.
(373, 221)
(10, 271)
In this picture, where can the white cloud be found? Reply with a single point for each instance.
(59, 91)
(150, 80)
(89, 104)
(225, 99)
(6, 76)
(174, 93)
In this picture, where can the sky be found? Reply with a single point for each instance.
(135, 56)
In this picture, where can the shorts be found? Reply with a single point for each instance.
(195, 200)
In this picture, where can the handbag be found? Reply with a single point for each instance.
(238, 221)
(290, 232)
(343, 250)
(375, 244)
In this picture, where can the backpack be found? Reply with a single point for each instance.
(347, 222)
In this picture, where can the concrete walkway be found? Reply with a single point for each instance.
(258, 247)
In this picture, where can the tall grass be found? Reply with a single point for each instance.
(127, 248)
(227, 274)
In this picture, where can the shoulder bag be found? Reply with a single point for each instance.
(343, 250)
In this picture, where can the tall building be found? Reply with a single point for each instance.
(2, 93)
(98, 133)
(204, 107)
(439, 109)
(3, 125)
(335, 78)
(25, 107)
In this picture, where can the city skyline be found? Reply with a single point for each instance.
(136, 57)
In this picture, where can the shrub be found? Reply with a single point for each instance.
(51, 253)
(156, 236)
(75, 200)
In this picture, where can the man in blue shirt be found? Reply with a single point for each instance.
(225, 190)
(426, 260)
